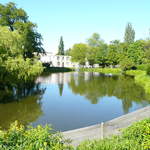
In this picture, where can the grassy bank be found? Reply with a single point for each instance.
(102, 70)
(135, 137)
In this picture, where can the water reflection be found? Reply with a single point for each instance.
(95, 86)
(22, 104)
(71, 100)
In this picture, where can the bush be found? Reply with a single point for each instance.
(127, 64)
(142, 67)
(148, 70)
(40, 138)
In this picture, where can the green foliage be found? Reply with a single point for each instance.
(19, 43)
(17, 137)
(148, 69)
(16, 19)
(135, 73)
(92, 54)
(102, 70)
(143, 67)
(25, 70)
(135, 137)
(61, 47)
(113, 53)
(126, 64)
(95, 40)
(13, 65)
(11, 15)
(78, 53)
(129, 34)
(128, 54)
(136, 53)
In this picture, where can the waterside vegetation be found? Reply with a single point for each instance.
(141, 77)
(135, 137)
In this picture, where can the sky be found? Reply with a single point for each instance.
(77, 20)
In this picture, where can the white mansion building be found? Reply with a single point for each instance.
(60, 61)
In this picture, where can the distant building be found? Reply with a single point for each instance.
(60, 61)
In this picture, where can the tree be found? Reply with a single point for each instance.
(92, 55)
(67, 52)
(61, 47)
(113, 52)
(129, 34)
(95, 40)
(101, 55)
(16, 19)
(78, 53)
(10, 15)
(135, 52)
(12, 64)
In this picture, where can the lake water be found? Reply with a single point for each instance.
(74, 100)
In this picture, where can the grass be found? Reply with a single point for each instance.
(103, 70)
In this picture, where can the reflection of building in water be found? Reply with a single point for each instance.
(55, 78)
(62, 78)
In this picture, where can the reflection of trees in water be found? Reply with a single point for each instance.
(61, 87)
(21, 104)
(17, 93)
(122, 87)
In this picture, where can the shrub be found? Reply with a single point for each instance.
(40, 138)
(127, 64)
(142, 67)
(148, 70)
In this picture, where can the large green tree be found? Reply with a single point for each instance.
(129, 34)
(16, 19)
(12, 63)
(61, 47)
(78, 53)
(95, 40)
(19, 42)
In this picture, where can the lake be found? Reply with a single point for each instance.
(73, 100)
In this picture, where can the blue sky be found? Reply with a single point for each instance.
(76, 20)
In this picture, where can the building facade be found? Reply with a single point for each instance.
(61, 61)
(58, 60)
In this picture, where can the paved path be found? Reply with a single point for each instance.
(108, 128)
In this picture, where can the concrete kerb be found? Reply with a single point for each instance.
(102, 130)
